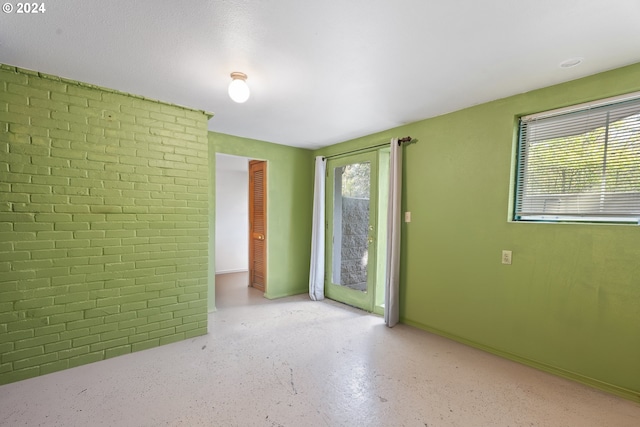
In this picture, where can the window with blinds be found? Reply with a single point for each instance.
(580, 163)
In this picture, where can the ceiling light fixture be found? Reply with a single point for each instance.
(571, 62)
(238, 89)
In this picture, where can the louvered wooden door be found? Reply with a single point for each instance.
(257, 224)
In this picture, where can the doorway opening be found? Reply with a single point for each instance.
(232, 232)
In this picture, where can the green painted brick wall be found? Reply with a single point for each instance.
(103, 223)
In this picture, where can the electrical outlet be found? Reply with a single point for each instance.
(506, 257)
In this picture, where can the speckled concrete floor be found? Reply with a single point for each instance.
(293, 362)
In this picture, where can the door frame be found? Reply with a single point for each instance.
(361, 299)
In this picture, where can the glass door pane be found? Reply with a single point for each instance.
(351, 225)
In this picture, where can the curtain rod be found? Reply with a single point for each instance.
(406, 139)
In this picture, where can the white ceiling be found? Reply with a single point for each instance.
(322, 72)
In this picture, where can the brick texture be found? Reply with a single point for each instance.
(103, 223)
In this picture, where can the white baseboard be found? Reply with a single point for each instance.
(242, 270)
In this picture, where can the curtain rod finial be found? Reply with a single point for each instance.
(405, 139)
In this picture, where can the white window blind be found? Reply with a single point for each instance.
(580, 164)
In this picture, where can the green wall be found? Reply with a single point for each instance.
(289, 205)
(103, 223)
(570, 302)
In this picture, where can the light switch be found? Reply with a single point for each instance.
(407, 217)
(506, 257)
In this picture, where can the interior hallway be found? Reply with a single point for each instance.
(294, 362)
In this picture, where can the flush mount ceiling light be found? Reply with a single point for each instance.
(571, 62)
(238, 89)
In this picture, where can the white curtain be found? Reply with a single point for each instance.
(316, 274)
(392, 280)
